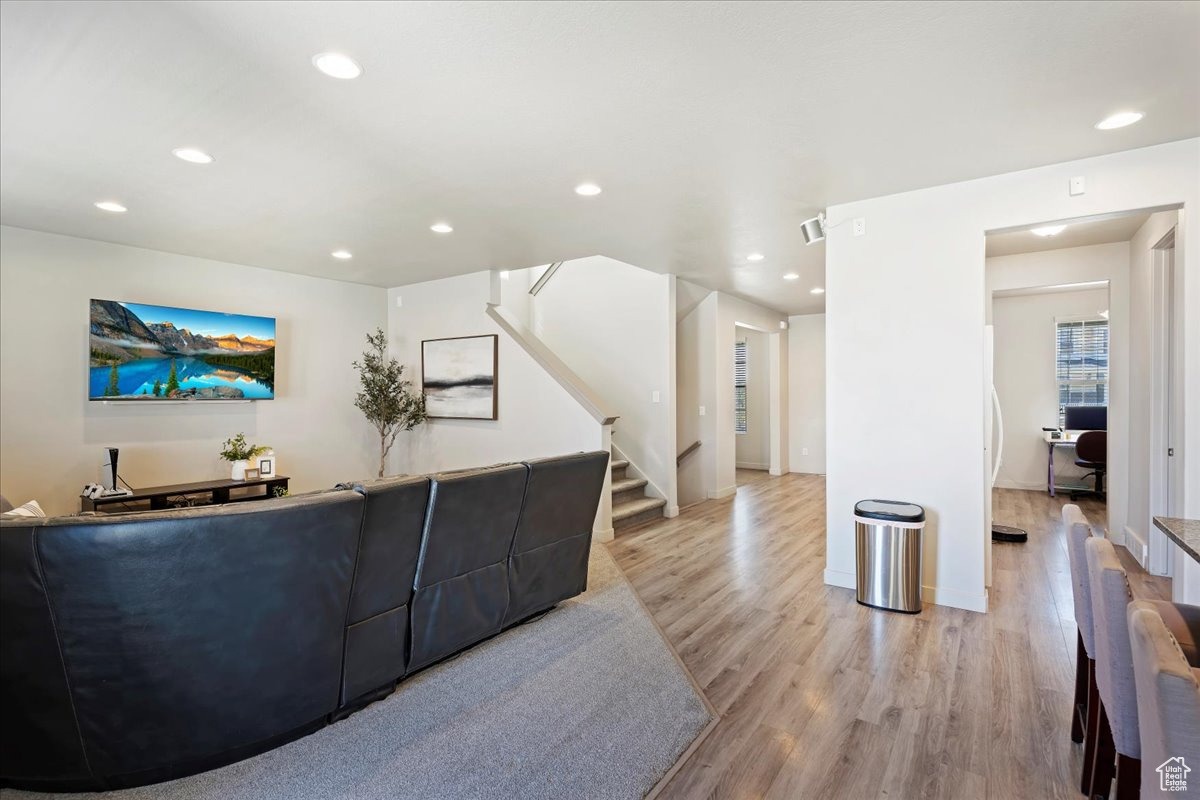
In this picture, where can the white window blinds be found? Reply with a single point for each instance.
(739, 387)
(1081, 364)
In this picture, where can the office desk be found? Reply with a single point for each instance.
(1068, 440)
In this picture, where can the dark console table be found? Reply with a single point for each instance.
(160, 497)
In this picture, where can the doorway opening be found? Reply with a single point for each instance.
(1080, 361)
(751, 404)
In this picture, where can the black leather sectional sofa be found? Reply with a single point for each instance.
(136, 648)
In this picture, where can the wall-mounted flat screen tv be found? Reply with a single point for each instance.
(146, 353)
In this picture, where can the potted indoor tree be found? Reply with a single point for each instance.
(239, 452)
(385, 397)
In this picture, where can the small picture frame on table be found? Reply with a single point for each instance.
(266, 466)
(252, 474)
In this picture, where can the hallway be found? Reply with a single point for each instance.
(822, 697)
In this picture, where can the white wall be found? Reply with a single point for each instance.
(613, 324)
(51, 435)
(1025, 381)
(537, 417)
(753, 448)
(1108, 262)
(905, 317)
(806, 393)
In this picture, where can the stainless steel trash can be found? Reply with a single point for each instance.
(888, 543)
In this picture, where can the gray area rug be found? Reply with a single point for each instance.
(587, 702)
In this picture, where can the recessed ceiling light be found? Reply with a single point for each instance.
(342, 254)
(440, 227)
(791, 276)
(112, 206)
(1048, 230)
(755, 257)
(1119, 120)
(816, 290)
(588, 189)
(336, 65)
(192, 155)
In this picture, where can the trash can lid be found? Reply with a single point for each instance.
(889, 510)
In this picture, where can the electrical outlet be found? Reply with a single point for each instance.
(860, 226)
(702, 411)
(655, 397)
(1077, 186)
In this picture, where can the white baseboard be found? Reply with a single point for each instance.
(721, 494)
(1137, 546)
(955, 598)
(1002, 483)
(776, 472)
(751, 465)
(929, 594)
(671, 511)
(604, 536)
(846, 580)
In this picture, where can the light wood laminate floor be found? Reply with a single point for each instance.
(820, 697)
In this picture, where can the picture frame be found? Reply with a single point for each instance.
(266, 466)
(252, 474)
(460, 377)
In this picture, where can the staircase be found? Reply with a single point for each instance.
(631, 505)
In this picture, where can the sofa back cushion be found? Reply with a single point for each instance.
(549, 558)
(462, 574)
(393, 521)
(377, 628)
(183, 634)
(561, 499)
(471, 521)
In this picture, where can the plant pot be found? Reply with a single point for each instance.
(238, 473)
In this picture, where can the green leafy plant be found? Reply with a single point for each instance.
(385, 397)
(238, 449)
(280, 491)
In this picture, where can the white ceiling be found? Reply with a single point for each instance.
(1078, 233)
(714, 128)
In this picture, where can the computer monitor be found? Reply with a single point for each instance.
(1086, 418)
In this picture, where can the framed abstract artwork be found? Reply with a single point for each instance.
(458, 377)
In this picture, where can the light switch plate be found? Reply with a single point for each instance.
(702, 411)
(399, 301)
(1077, 186)
(655, 397)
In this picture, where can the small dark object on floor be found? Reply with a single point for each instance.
(1007, 533)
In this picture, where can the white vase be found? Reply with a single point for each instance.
(239, 470)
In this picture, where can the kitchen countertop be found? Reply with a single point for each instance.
(1184, 532)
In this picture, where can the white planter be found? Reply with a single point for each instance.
(239, 470)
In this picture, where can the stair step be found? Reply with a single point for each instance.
(626, 484)
(618, 463)
(635, 512)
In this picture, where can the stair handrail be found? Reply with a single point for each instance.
(691, 448)
(553, 365)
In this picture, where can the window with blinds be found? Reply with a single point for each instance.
(739, 387)
(1081, 364)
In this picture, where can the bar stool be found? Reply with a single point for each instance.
(1118, 744)
(1168, 701)
(1086, 702)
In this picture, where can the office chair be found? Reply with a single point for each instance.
(1091, 452)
